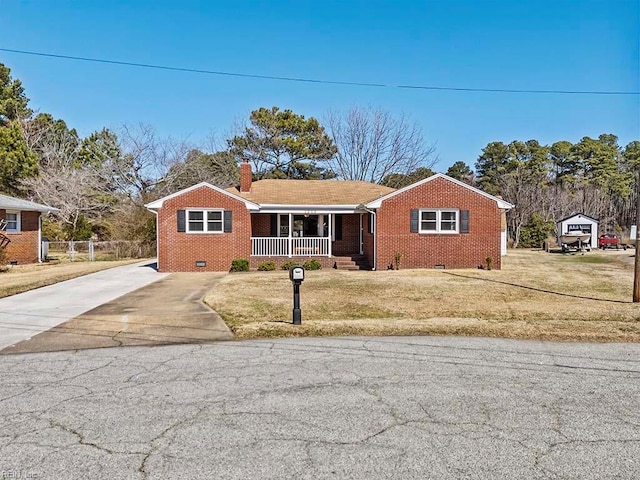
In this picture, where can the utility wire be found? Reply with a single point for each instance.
(312, 80)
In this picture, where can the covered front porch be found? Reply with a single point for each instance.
(306, 234)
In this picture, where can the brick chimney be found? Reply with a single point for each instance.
(245, 177)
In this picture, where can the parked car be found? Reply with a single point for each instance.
(609, 240)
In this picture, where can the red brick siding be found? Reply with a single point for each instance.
(179, 251)
(465, 250)
(24, 244)
(261, 225)
(350, 242)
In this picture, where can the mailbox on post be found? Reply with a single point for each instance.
(296, 275)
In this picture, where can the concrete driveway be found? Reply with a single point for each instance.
(27, 314)
(130, 305)
(356, 408)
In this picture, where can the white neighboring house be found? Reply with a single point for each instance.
(581, 223)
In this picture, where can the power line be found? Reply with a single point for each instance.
(312, 80)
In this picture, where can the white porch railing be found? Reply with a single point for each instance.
(269, 246)
(289, 247)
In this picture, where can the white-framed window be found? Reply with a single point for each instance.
(13, 221)
(205, 221)
(439, 221)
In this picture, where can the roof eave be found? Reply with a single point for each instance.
(377, 203)
(157, 204)
(30, 208)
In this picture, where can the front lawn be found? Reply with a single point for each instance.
(535, 295)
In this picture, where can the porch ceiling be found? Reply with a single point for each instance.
(308, 209)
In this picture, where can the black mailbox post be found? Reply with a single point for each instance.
(296, 275)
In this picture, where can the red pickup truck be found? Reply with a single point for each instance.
(609, 240)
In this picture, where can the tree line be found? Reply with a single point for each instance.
(595, 176)
(101, 182)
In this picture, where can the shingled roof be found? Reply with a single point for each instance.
(312, 192)
(12, 203)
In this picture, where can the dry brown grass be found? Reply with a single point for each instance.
(535, 295)
(21, 278)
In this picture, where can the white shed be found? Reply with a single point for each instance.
(580, 223)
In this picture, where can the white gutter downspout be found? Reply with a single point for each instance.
(157, 240)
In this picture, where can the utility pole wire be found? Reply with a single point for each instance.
(319, 81)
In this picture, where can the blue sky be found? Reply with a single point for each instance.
(505, 44)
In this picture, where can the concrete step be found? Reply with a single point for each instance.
(355, 262)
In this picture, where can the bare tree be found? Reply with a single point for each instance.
(144, 167)
(373, 144)
(76, 192)
(219, 168)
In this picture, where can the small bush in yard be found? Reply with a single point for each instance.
(312, 265)
(267, 266)
(240, 265)
(288, 265)
(4, 259)
(489, 261)
(397, 259)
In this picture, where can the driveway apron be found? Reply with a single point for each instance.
(169, 310)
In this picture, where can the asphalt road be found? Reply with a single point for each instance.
(357, 408)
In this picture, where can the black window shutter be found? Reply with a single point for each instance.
(182, 224)
(415, 220)
(369, 222)
(227, 221)
(274, 224)
(464, 221)
(338, 227)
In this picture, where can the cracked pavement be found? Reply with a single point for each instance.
(361, 408)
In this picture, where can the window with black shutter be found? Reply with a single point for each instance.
(464, 221)
(204, 220)
(181, 221)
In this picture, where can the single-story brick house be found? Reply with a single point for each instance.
(438, 222)
(21, 223)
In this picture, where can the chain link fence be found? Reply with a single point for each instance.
(96, 251)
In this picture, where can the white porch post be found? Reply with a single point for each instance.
(290, 245)
(331, 215)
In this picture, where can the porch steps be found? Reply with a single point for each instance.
(352, 262)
